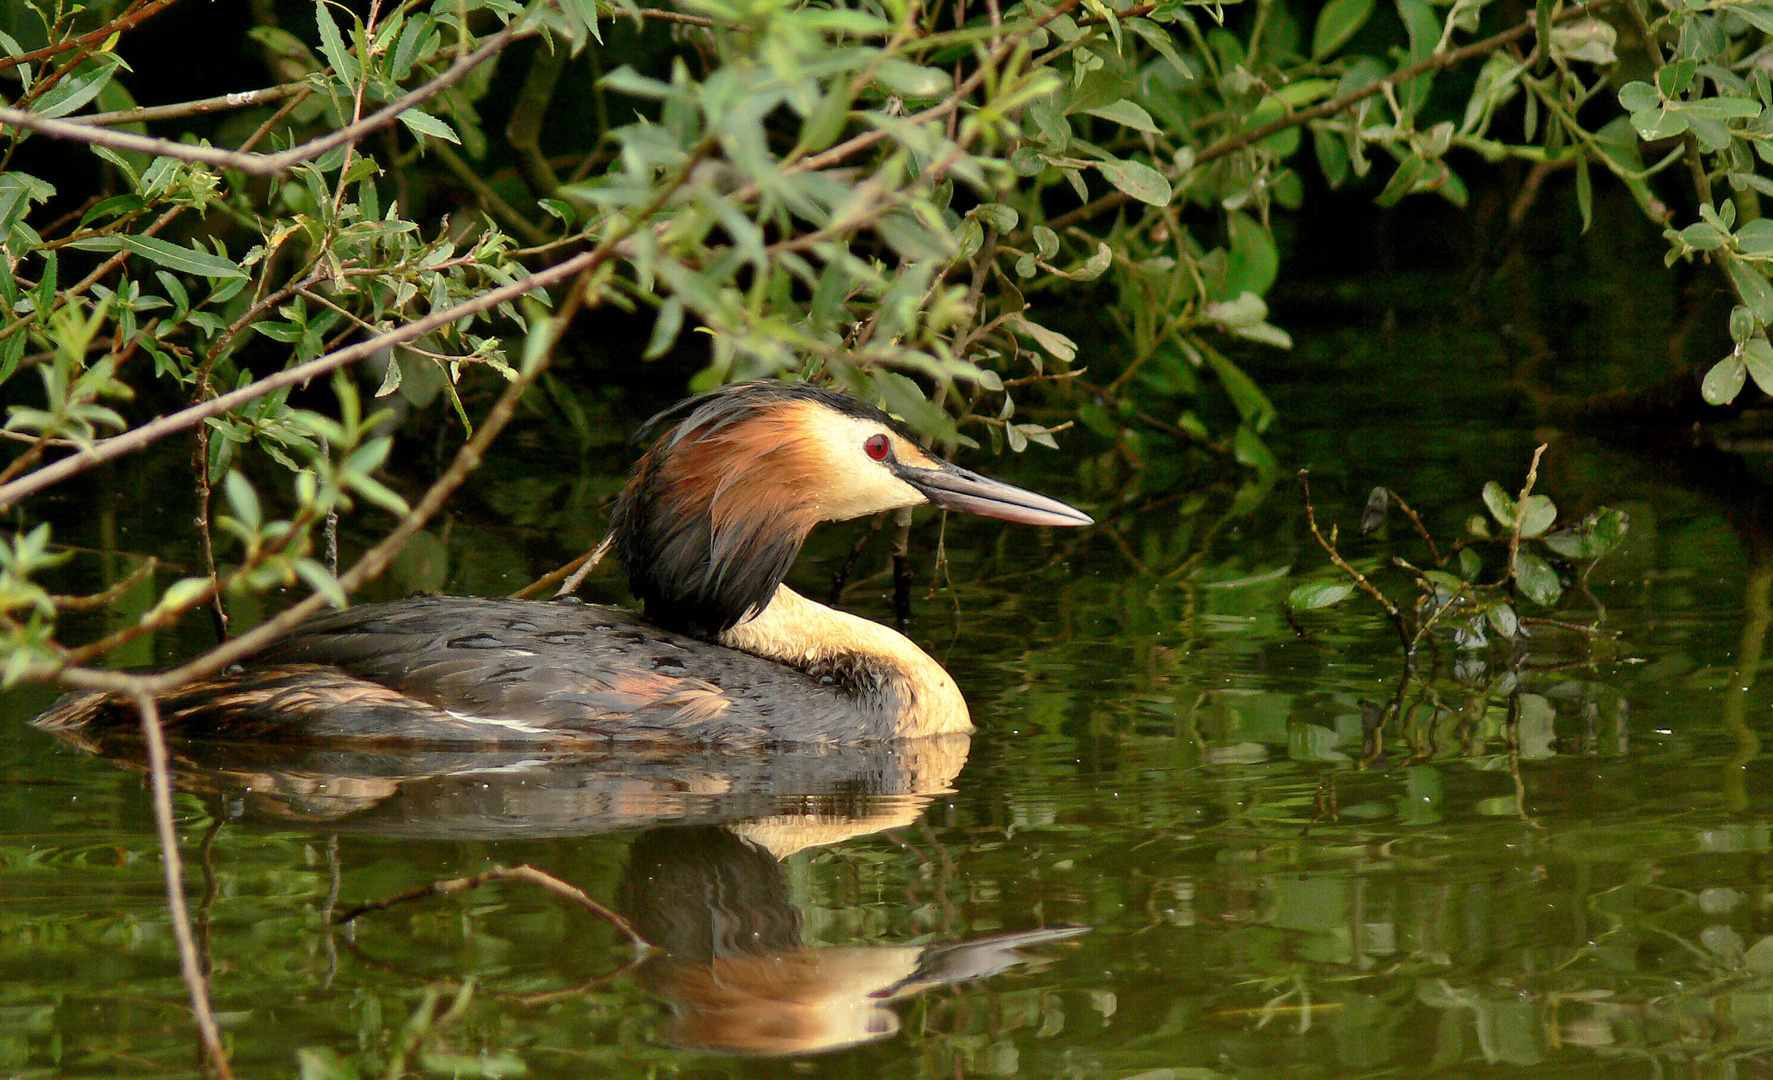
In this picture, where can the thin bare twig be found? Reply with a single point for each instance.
(525, 873)
(130, 18)
(241, 99)
(1434, 550)
(100, 599)
(1520, 515)
(586, 565)
(161, 783)
(1359, 579)
(263, 164)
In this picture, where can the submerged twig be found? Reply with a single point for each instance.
(525, 873)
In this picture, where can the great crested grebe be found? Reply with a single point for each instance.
(725, 654)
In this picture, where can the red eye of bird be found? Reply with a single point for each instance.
(878, 447)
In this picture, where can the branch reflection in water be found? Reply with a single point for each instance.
(705, 883)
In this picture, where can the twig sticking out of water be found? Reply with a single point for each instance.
(526, 874)
(1514, 534)
(189, 966)
(1359, 579)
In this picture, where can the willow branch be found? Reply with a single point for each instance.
(377, 558)
(239, 100)
(1232, 143)
(262, 164)
(151, 432)
(850, 147)
(128, 20)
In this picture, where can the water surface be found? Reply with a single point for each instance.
(1555, 860)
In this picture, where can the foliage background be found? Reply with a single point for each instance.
(808, 185)
(931, 205)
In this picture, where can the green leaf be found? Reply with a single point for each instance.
(1127, 114)
(73, 93)
(1639, 97)
(1752, 286)
(1584, 192)
(322, 1063)
(1158, 38)
(1052, 125)
(1096, 265)
(1056, 345)
(1598, 534)
(1470, 562)
(1653, 124)
(1253, 261)
(625, 80)
(423, 123)
(1711, 132)
(380, 494)
(1319, 594)
(1757, 15)
(1505, 621)
(1139, 180)
(910, 80)
(1252, 404)
(1702, 236)
(184, 260)
(1537, 515)
(244, 501)
(332, 43)
(1674, 78)
(180, 594)
(1403, 181)
(1756, 237)
(1332, 155)
(1722, 108)
(114, 206)
(321, 580)
(1501, 504)
(1724, 381)
(1336, 23)
(1757, 356)
(1538, 581)
(1249, 450)
(665, 329)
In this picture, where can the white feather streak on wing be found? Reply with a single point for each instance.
(501, 722)
(523, 766)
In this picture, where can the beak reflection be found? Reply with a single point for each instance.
(954, 488)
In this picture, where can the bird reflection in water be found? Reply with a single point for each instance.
(705, 883)
(734, 966)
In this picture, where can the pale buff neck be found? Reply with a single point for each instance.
(808, 635)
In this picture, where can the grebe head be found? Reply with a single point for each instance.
(718, 508)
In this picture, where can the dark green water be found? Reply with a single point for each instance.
(1557, 862)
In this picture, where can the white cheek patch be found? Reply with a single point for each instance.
(852, 484)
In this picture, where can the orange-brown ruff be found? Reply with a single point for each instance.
(724, 654)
